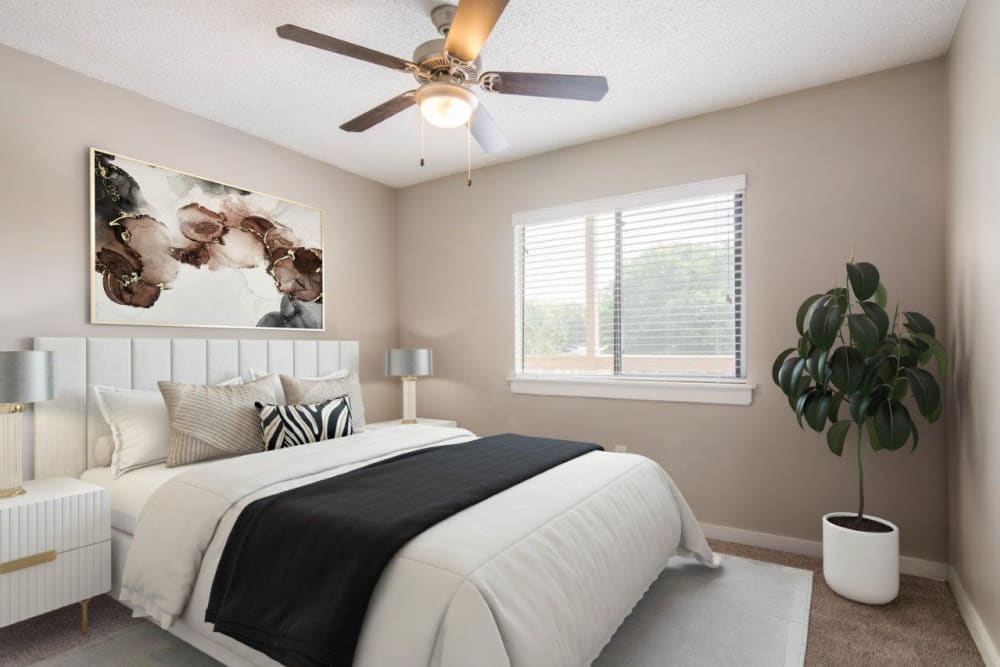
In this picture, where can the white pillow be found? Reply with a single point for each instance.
(104, 449)
(140, 426)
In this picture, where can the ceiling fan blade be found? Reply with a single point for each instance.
(485, 130)
(327, 43)
(566, 86)
(473, 22)
(380, 113)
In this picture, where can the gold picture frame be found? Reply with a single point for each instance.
(221, 279)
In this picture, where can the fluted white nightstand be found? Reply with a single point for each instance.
(420, 420)
(55, 548)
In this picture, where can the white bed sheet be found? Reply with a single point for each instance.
(131, 491)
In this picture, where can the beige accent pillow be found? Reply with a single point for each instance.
(257, 374)
(214, 422)
(299, 391)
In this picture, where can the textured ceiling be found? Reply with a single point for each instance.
(664, 59)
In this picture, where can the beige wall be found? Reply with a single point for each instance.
(856, 162)
(49, 116)
(973, 318)
(860, 162)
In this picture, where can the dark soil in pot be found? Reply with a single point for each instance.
(864, 525)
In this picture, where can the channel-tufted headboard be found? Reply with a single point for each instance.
(67, 427)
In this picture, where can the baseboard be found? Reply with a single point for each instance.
(918, 567)
(991, 656)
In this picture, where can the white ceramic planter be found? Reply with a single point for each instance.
(861, 566)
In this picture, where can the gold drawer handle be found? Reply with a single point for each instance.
(27, 561)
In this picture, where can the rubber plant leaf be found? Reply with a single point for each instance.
(836, 435)
(840, 296)
(864, 334)
(873, 435)
(877, 314)
(926, 392)
(835, 402)
(893, 424)
(918, 323)
(816, 364)
(816, 409)
(848, 369)
(804, 346)
(800, 316)
(824, 324)
(777, 364)
(899, 389)
(791, 373)
(864, 279)
(936, 349)
(800, 406)
(881, 295)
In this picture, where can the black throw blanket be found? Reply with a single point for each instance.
(299, 568)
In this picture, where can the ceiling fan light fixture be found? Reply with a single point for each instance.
(445, 104)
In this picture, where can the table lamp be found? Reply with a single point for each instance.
(408, 365)
(25, 377)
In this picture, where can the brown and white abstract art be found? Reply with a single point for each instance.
(172, 249)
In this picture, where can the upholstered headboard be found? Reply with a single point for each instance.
(67, 428)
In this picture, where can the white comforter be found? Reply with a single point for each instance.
(540, 574)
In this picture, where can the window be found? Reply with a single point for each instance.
(645, 287)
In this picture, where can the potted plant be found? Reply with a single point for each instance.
(852, 372)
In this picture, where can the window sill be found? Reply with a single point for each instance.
(719, 393)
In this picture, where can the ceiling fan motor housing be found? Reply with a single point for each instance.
(430, 56)
(442, 16)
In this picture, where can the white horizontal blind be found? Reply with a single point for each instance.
(648, 287)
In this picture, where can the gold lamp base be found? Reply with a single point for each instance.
(409, 399)
(11, 417)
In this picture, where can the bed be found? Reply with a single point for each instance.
(541, 573)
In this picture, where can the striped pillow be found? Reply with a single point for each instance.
(214, 422)
(291, 425)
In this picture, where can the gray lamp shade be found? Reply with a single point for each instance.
(401, 363)
(25, 377)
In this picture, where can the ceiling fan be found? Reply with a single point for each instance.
(447, 69)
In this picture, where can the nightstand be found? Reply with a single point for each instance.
(55, 548)
(449, 423)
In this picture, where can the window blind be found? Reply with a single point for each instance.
(647, 286)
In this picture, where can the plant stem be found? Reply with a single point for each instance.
(861, 478)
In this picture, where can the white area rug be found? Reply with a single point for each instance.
(746, 613)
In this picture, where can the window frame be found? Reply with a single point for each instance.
(734, 391)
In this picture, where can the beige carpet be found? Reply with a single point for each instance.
(38, 638)
(922, 627)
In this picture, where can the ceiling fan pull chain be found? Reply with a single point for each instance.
(421, 136)
(468, 152)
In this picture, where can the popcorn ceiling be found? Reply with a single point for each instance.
(664, 59)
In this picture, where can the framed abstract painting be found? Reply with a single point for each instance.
(172, 249)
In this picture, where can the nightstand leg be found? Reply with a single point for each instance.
(83, 616)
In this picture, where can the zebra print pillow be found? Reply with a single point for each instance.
(291, 425)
